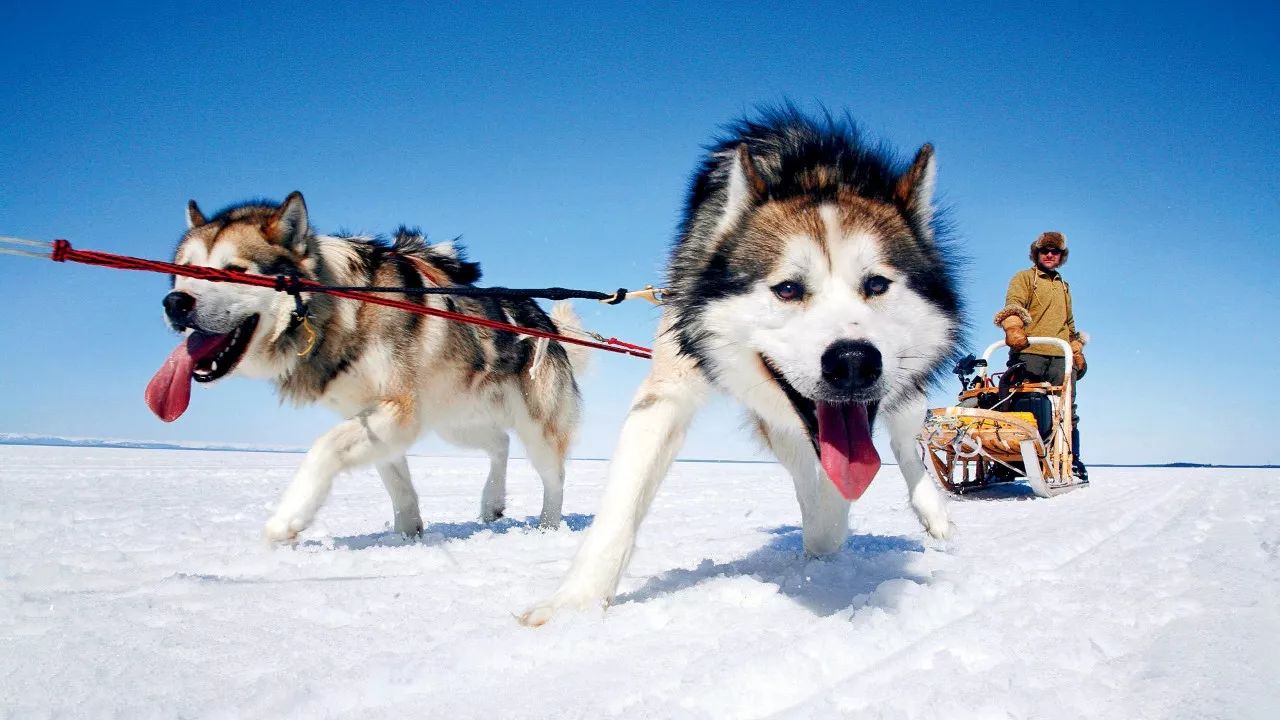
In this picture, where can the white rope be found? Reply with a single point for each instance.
(539, 354)
(10, 240)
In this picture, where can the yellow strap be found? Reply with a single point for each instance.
(311, 337)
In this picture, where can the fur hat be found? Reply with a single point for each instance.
(1050, 239)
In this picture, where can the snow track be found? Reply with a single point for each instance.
(133, 584)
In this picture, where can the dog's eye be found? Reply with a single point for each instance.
(875, 285)
(235, 268)
(789, 291)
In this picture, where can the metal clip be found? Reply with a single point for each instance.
(657, 296)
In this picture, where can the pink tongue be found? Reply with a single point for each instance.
(845, 449)
(169, 391)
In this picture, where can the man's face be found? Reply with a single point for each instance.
(1049, 258)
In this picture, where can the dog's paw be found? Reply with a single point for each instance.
(539, 614)
(931, 508)
(936, 521)
(409, 527)
(280, 530)
(938, 527)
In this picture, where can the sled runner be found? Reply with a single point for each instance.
(1002, 431)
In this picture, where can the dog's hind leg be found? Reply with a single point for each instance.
(904, 423)
(547, 450)
(493, 501)
(404, 499)
(824, 513)
(651, 435)
(373, 436)
(495, 442)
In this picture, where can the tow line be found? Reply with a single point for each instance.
(62, 251)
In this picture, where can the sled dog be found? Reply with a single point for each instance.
(392, 375)
(810, 281)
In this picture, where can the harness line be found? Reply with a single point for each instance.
(62, 251)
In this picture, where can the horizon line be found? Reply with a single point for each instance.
(36, 440)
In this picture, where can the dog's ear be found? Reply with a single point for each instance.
(195, 218)
(288, 226)
(914, 191)
(745, 188)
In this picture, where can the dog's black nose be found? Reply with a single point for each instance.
(178, 306)
(851, 365)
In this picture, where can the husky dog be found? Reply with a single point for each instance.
(808, 281)
(393, 375)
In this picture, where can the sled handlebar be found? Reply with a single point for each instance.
(1033, 340)
(1061, 440)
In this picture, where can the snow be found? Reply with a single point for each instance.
(133, 583)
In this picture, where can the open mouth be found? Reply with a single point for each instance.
(201, 357)
(807, 409)
(224, 352)
(841, 436)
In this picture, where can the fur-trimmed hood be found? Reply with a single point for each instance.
(1050, 239)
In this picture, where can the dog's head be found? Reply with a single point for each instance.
(228, 327)
(810, 271)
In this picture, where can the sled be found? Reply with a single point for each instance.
(984, 441)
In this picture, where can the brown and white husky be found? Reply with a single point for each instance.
(810, 282)
(391, 375)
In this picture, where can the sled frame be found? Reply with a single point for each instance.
(962, 446)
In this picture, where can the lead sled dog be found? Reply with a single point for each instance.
(392, 375)
(810, 282)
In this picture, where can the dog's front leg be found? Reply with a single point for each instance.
(651, 436)
(904, 423)
(404, 499)
(824, 513)
(383, 432)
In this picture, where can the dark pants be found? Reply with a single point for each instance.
(1048, 368)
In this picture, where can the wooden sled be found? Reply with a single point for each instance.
(969, 448)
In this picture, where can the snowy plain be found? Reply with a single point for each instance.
(134, 584)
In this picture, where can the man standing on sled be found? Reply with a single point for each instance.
(1038, 302)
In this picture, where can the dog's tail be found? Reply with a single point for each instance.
(568, 323)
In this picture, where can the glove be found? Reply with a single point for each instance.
(1014, 319)
(1015, 334)
(1077, 355)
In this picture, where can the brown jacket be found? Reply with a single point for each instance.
(1046, 297)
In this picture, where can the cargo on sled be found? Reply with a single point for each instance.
(1003, 430)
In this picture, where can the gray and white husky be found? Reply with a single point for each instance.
(392, 375)
(808, 281)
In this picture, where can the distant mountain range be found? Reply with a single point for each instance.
(58, 441)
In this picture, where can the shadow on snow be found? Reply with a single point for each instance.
(437, 533)
(1003, 491)
(825, 586)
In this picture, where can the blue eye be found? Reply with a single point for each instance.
(875, 285)
(789, 291)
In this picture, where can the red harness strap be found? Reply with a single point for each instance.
(63, 252)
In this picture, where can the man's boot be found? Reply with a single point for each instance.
(1079, 470)
(1077, 467)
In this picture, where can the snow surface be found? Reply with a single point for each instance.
(133, 583)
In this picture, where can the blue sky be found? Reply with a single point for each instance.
(557, 141)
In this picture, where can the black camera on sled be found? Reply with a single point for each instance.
(967, 366)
